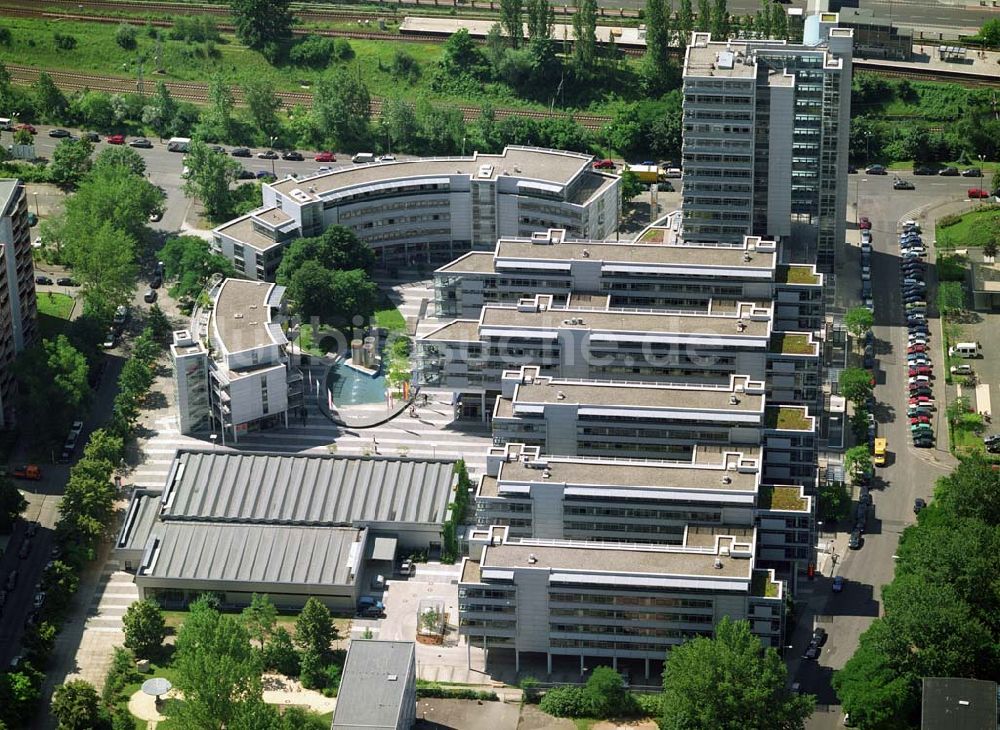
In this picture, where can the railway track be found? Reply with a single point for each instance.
(974, 81)
(197, 93)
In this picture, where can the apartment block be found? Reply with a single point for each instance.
(766, 127)
(429, 210)
(659, 270)
(231, 369)
(18, 306)
(611, 601)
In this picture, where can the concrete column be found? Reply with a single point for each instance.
(548, 659)
(614, 663)
(517, 660)
(468, 653)
(581, 665)
(482, 405)
(647, 667)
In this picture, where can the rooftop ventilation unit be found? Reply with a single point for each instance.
(560, 395)
(718, 563)
(726, 60)
(393, 677)
(300, 195)
(586, 254)
(547, 474)
(727, 480)
(532, 558)
(485, 171)
(733, 400)
(238, 315)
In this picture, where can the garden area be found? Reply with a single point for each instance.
(54, 311)
(978, 228)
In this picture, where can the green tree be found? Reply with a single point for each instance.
(19, 694)
(855, 385)
(762, 23)
(216, 669)
(209, 178)
(972, 489)
(989, 32)
(729, 682)
(70, 161)
(104, 446)
(685, 22)
(162, 110)
(657, 35)
(957, 408)
(314, 629)
(93, 109)
(279, 653)
(704, 18)
(145, 628)
(260, 618)
(779, 22)
(76, 706)
(263, 105)
(585, 38)
(834, 501)
(540, 17)
(342, 108)
(126, 36)
(12, 504)
(605, 694)
(336, 248)
(120, 160)
(216, 122)
(720, 20)
(158, 323)
(857, 461)
(49, 100)
(858, 321)
(60, 582)
(111, 194)
(353, 294)
(512, 20)
(190, 262)
(262, 24)
(53, 388)
(872, 692)
(630, 187)
(105, 264)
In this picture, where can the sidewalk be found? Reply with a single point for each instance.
(926, 58)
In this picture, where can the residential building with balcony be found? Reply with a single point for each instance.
(612, 601)
(18, 306)
(658, 270)
(232, 372)
(766, 127)
(428, 210)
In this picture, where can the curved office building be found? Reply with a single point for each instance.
(428, 210)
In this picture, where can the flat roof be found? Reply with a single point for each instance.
(240, 554)
(480, 262)
(636, 395)
(953, 703)
(8, 191)
(242, 229)
(241, 315)
(607, 558)
(703, 59)
(631, 474)
(307, 489)
(373, 684)
(140, 517)
(611, 320)
(459, 330)
(555, 166)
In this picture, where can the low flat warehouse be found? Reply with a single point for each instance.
(291, 526)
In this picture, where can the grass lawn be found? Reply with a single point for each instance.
(968, 443)
(174, 619)
(389, 318)
(54, 311)
(974, 230)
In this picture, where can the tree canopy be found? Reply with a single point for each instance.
(53, 388)
(210, 176)
(76, 706)
(190, 262)
(263, 25)
(336, 248)
(729, 682)
(145, 628)
(858, 320)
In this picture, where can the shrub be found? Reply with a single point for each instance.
(64, 42)
(121, 672)
(404, 66)
(951, 268)
(562, 702)
(949, 220)
(313, 50)
(4, 36)
(342, 50)
(650, 705)
(436, 691)
(125, 36)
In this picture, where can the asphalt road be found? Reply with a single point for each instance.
(910, 472)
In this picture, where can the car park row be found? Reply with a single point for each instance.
(919, 363)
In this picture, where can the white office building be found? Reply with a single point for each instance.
(766, 132)
(428, 210)
(231, 369)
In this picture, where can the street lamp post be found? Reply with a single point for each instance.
(273, 140)
(35, 193)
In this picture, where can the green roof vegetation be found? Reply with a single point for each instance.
(789, 344)
(787, 418)
(762, 585)
(653, 235)
(797, 275)
(781, 498)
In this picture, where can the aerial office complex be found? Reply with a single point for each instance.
(766, 130)
(18, 308)
(231, 369)
(429, 210)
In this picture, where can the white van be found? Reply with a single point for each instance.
(179, 144)
(363, 157)
(6, 124)
(966, 349)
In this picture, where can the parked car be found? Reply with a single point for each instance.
(241, 152)
(876, 170)
(900, 184)
(156, 216)
(855, 541)
(812, 652)
(948, 172)
(864, 223)
(838, 584)
(923, 442)
(972, 172)
(292, 155)
(245, 174)
(110, 339)
(121, 316)
(923, 170)
(918, 504)
(921, 371)
(116, 139)
(325, 157)
(217, 148)
(267, 155)
(66, 281)
(386, 158)
(604, 164)
(370, 606)
(265, 175)
(914, 420)
(142, 143)
(406, 567)
(43, 280)
(59, 133)
(978, 193)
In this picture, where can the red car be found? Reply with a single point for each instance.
(604, 165)
(912, 349)
(864, 224)
(116, 139)
(978, 193)
(325, 157)
(27, 127)
(921, 370)
(919, 419)
(921, 400)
